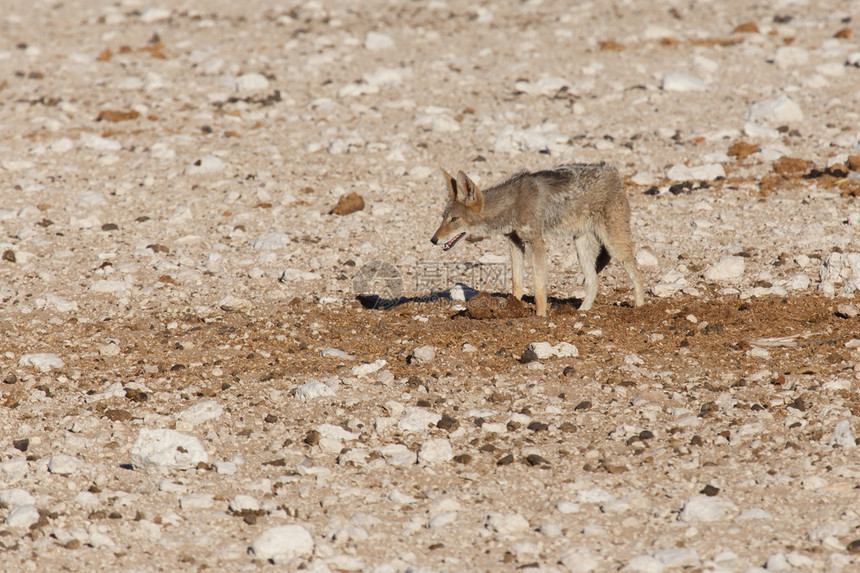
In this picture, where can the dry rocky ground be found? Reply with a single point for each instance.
(190, 381)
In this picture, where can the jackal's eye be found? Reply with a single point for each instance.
(454, 219)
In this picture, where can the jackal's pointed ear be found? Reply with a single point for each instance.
(451, 183)
(470, 194)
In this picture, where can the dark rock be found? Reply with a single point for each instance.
(710, 490)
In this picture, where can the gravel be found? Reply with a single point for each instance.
(192, 199)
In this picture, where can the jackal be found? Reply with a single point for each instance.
(585, 200)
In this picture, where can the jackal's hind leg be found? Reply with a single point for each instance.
(620, 247)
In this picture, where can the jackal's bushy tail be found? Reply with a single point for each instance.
(603, 258)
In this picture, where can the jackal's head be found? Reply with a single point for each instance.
(463, 211)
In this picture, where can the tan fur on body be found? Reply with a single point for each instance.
(585, 200)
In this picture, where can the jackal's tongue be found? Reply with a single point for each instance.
(452, 242)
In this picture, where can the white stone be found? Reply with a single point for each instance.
(87, 499)
(438, 123)
(813, 483)
(365, 369)
(340, 563)
(829, 530)
(551, 529)
(593, 495)
(171, 486)
(567, 507)
(579, 560)
(790, 57)
(109, 287)
(645, 258)
(678, 82)
(99, 143)
(800, 561)
(831, 69)
(129, 83)
(536, 138)
(335, 432)
(525, 551)
(62, 145)
(400, 498)
(678, 557)
(385, 77)
(205, 165)
(12, 165)
(778, 562)
(657, 32)
(162, 450)
(843, 436)
(565, 350)
(15, 497)
(633, 360)
(298, 275)
(22, 517)
(96, 538)
(538, 351)
(847, 310)
(799, 281)
(435, 451)
(244, 503)
(442, 519)
(546, 86)
(271, 241)
(760, 132)
(644, 564)
(283, 543)
(755, 513)
(43, 361)
(197, 501)
(110, 349)
(61, 464)
(507, 523)
(398, 455)
(312, 390)
(201, 412)
(424, 354)
(351, 90)
(226, 468)
(376, 41)
(252, 82)
(775, 111)
(337, 353)
(14, 470)
(495, 427)
(115, 390)
(615, 507)
(727, 269)
(417, 419)
(701, 508)
(707, 172)
(154, 15)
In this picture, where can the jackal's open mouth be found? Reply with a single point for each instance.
(453, 241)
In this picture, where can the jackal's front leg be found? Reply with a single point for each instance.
(538, 250)
(517, 262)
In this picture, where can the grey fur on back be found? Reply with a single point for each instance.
(549, 195)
